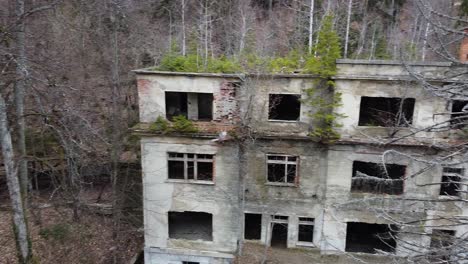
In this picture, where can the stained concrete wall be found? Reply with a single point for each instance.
(325, 172)
(255, 104)
(151, 89)
(162, 195)
(305, 199)
(428, 110)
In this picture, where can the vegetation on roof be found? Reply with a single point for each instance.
(320, 61)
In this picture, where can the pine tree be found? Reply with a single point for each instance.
(327, 50)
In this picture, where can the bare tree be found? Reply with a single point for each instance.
(19, 215)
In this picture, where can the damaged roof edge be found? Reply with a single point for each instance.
(405, 77)
(148, 71)
(394, 62)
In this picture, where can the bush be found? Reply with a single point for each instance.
(182, 124)
(58, 232)
(161, 125)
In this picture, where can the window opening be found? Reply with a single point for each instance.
(366, 238)
(441, 241)
(190, 225)
(451, 178)
(282, 168)
(185, 166)
(285, 107)
(194, 106)
(306, 229)
(386, 111)
(371, 178)
(252, 226)
(279, 235)
(190, 262)
(459, 116)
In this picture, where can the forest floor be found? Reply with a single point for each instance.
(57, 238)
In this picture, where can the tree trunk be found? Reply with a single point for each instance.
(348, 22)
(426, 33)
(183, 29)
(311, 25)
(115, 125)
(19, 215)
(21, 74)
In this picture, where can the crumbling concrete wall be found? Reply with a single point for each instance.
(162, 195)
(255, 104)
(323, 191)
(304, 199)
(152, 88)
(428, 110)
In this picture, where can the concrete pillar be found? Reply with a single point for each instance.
(192, 106)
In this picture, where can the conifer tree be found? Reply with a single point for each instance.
(327, 50)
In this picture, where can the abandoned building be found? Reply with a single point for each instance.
(253, 173)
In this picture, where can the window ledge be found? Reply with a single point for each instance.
(209, 242)
(190, 182)
(279, 184)
(449, 197)
(365, 194)
(283, 121)
(305, 244)
(386, 127)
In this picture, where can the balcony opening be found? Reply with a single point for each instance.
(190, 225)
(253, 226)
(194, 106)
(306, 230)
(368, 238)
(459, 116)
(386, 111)
(285, 107)
(451, 179)
(371, 177)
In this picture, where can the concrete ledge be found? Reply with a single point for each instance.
(394, 62)
(189, 252)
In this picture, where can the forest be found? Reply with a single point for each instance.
(71, 180)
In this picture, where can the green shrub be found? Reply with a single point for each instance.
(183, 125)
(193, 63)
(58, 232)
(161, 125)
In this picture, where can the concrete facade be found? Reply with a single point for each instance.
(320, 191)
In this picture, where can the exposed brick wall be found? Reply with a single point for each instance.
(227, 109)
(143, 86)
(464, 49)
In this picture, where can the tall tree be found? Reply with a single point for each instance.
(19, 215)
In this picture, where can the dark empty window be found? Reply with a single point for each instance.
(441, 243)
(194, 106)
(442, 238)
(284, 107)
(188, 166)
(306, 229)
(282, 168)
(190, 225)
(375, 178)
(451, 179)
(253, 226)
(279, 231)
(386, 111)
(366, 238)
(459, 116)
(190, 262)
